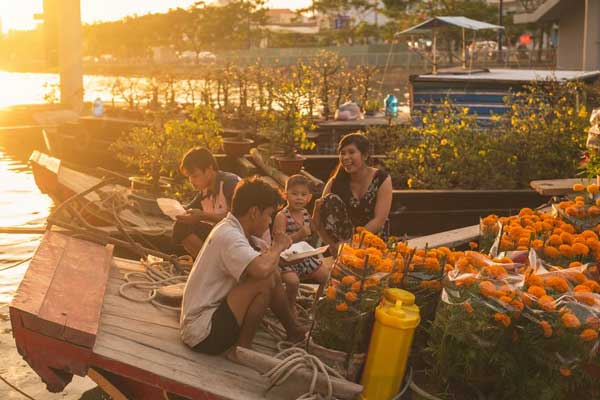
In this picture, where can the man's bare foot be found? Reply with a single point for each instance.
(297, 334)
(231, 354)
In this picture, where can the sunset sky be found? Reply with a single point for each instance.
(18, 14)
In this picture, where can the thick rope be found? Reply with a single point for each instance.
(295, 358)
(158, 274)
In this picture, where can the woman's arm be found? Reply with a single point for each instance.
(383, 206)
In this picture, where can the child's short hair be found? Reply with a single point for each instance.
(254, 192)
(296, 180)
(198, 158)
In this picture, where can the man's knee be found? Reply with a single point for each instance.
(291, 279)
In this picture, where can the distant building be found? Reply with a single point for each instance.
(578, 31)
(164, 55)
(286, 20)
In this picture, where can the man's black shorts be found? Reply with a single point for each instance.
(181, 230)
(224, 332)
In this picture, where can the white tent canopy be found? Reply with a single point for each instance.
(461, 22)
(434, 23)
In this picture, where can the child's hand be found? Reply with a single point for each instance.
(306, 230)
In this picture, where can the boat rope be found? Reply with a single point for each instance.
(16, 389)
(16, 264)
(157, 274)
(295, 358)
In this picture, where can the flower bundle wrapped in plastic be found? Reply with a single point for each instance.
(474, 321)
(581, 210)
(561, 320)
(420, 271)
(358, 278)
(344, 317)
(516, 331)
(554, 239)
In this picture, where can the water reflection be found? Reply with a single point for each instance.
(21, 204)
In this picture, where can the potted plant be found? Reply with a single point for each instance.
(156, 148)
(371, 107)
(286, 127)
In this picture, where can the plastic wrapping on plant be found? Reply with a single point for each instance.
(553, 238)
(358, 278)
(582, 210)
(562, 313)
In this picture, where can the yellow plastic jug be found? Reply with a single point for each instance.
(396, 319)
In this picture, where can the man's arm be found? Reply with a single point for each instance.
(266, 263)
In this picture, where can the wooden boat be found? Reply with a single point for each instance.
(61, 183)
(131, 349)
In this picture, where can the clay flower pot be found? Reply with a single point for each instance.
(289, 165)
(236, 148)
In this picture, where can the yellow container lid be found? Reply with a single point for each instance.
(398, 316)
(394, 294)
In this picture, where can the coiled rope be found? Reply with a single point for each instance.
(158, 274)
(295, 358)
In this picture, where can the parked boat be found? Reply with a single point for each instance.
(130, 349)
(111, 208)
(481, 91)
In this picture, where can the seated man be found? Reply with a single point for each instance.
(231, 284)
(210, 205)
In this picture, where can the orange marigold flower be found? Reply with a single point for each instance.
(547, 303)
(566, 250)
(331, 293)
(558, 284)
(592, 285)
(341, 307)
(473, 245)
(592, 188)
(517, 305)
(575, 264)
(587, 335)
(593, 322)
(582, 288)
(551, 252)
(566, 238)
(555, 240)
(536, 291)
(565, 372)
(593, 211)
(348, 280)
(503, 319)
(487, 288)
(568, 228)
(468, 307)
(570, 320)
(351, 297)
(585, 298)
(547, 328)
(534, 280)
(580, 249)
(537, 244)
(505, 299)
(355, 286)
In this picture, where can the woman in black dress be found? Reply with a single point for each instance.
(356, 195)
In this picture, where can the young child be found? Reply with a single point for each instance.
(294, 220)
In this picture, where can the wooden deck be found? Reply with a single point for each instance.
(68, 318)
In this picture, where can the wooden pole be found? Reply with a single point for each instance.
(434, 52)
(464, 50)
(69, 54)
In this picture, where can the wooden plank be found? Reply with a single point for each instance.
(211, 374)
(73, 302)
(452, 238)
(557, 187)
(30, 295)
(106, 385)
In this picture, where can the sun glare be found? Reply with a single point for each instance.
(19, 14)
